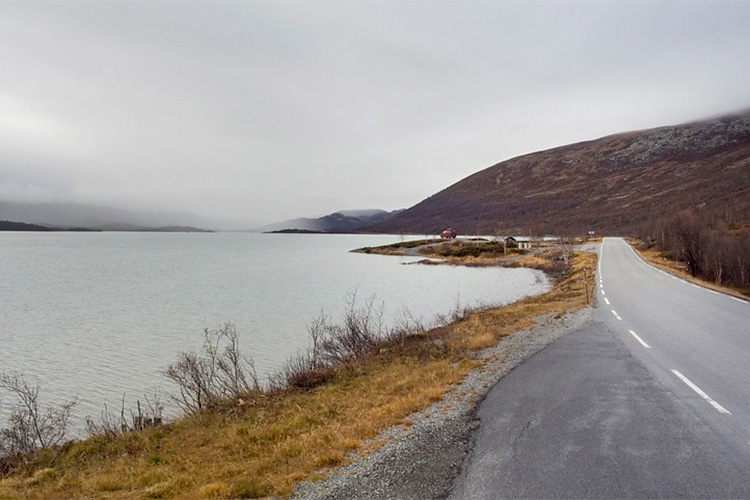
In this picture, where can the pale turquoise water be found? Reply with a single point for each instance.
(96, 315)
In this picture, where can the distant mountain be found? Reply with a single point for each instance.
(63, 216)
(341, 221)
(6, 225)
(606, 185)
(368, 212)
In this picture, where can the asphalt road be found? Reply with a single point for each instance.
(651, 400)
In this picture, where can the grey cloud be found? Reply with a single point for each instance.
(267, 111)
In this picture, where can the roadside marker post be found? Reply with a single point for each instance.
(586, 283)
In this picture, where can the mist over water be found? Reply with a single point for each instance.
(97, 315)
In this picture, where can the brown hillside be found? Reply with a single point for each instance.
(606, 185)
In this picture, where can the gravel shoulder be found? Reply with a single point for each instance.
(421, 460)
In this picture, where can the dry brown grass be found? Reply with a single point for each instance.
(679, 269)
(264, 450)
(461, 252)
(397, 248)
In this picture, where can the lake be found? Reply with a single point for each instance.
(94, 316)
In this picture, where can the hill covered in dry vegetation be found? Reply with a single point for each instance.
(608, 185)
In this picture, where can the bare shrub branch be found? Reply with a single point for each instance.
(361, 329)
(220, 373)
(406, 324)
(109, 425)
(692, 240)
(457, 313)
(30, 425)
(711, 247)
(566, 243)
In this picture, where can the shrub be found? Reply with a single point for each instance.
(667, 254)
(110, 426)
(360, 332)
(220, 373)
(31, 426)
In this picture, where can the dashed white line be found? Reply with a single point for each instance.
(605, 293)
(702, 394)
(639, 339)
(616, 315)
(606, 300)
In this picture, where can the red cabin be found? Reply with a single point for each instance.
(448, 234)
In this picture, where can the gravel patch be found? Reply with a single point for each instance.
(422, 460)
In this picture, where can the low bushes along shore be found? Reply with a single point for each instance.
(357, 380)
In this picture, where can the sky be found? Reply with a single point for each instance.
(251, 112)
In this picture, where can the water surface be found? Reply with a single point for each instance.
(98, 315)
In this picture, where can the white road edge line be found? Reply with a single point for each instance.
(682, 280)
(702, 394)
(639, 339)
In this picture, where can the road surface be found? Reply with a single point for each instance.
(651, 400)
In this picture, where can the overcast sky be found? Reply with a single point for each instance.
(262, 111)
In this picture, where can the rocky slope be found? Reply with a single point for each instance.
(607, 185)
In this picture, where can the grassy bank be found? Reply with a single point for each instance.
(666, 262)
(274, 439)
(396, 248)
(465, 252)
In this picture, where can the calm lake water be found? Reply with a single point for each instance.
(97, 315)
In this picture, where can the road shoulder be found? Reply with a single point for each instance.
(421, 459)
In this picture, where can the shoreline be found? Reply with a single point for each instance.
(394, 393)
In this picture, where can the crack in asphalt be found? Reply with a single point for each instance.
(514, 443)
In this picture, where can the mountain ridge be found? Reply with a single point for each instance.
(339, 221)
(606, 185)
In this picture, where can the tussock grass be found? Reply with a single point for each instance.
(291, 435)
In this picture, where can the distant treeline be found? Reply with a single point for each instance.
(713, 246)
(6, 225)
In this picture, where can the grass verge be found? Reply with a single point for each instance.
(679, 269)
(265, 448)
